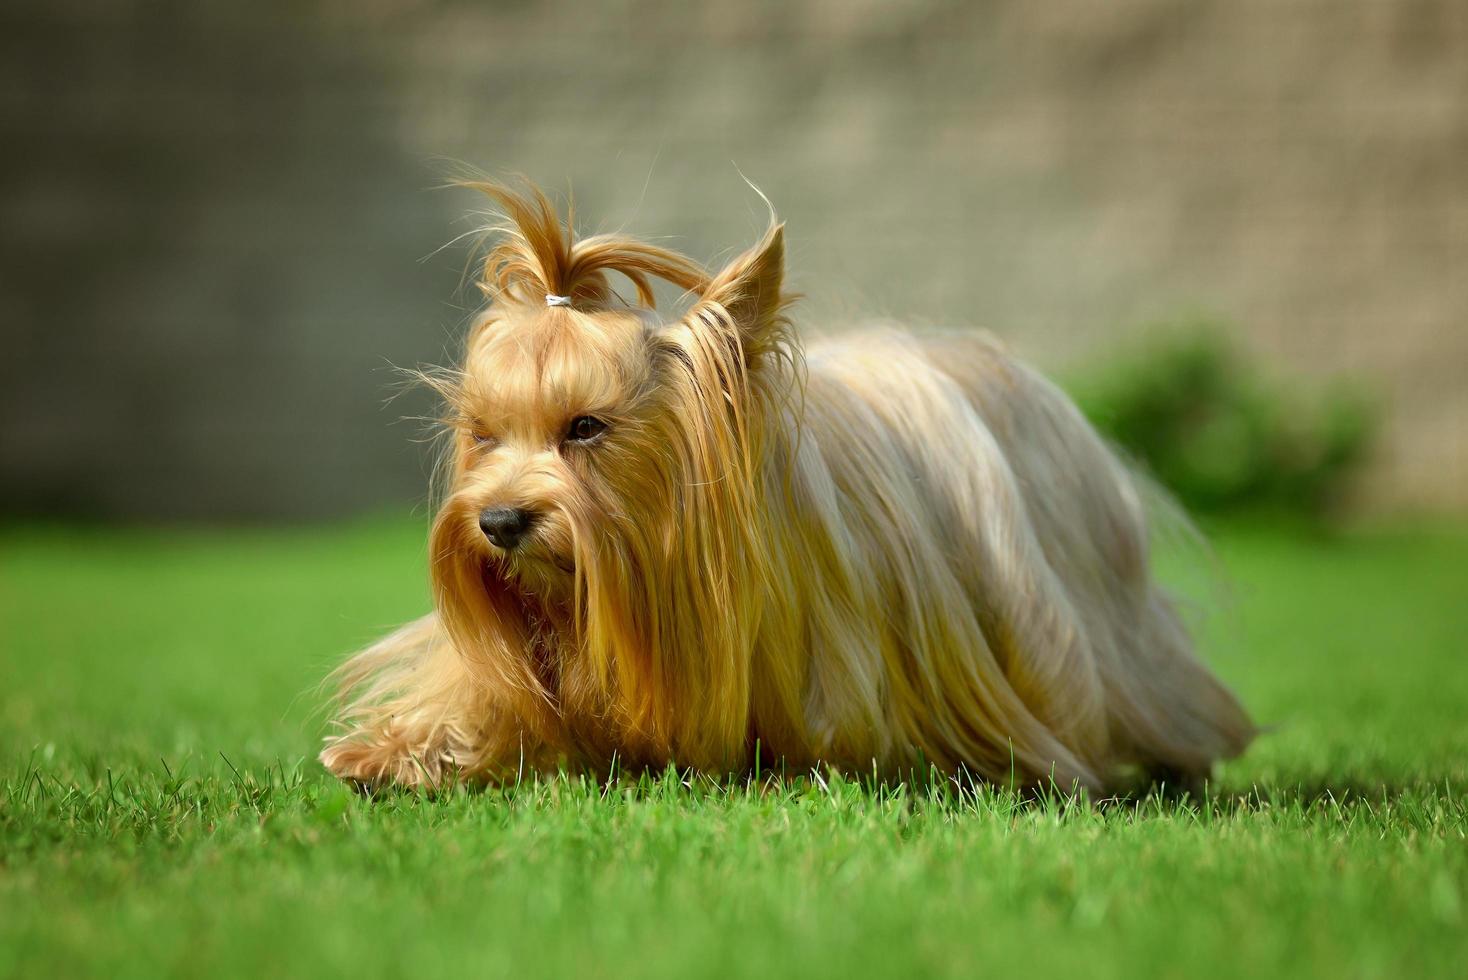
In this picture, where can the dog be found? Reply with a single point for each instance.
(693, 541)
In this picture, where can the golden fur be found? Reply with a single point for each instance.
(885, 552)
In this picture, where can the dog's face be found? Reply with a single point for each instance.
(556, 423)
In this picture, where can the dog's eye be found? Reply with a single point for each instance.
(585, 427)
(483, 438)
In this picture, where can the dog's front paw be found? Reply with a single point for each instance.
(374, 763)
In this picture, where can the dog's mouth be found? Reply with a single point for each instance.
(538, 572)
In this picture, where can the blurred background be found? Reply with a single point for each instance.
(1241, 227)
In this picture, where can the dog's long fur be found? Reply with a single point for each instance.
(886, 552)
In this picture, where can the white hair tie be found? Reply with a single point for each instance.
(551, 299)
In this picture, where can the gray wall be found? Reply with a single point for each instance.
(214, 216)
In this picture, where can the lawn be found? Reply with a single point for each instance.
(160, 812)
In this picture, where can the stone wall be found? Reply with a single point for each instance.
(218, 223)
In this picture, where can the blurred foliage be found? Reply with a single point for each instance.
(1220, 433)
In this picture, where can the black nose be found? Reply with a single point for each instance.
(505, 526)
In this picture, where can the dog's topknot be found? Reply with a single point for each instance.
(536, 255)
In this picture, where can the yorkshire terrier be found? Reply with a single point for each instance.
(694, 541)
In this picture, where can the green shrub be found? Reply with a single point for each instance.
(1221, 435)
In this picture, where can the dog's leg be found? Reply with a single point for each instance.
(412, 714)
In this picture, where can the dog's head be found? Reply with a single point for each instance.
(605, 462)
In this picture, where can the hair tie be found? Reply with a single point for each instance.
(551, 299)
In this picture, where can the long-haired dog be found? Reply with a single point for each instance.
(689, 540)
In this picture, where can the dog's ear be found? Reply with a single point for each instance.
(749, 289)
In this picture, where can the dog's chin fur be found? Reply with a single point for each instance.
(887, 553)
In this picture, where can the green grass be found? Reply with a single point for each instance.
(160, 815)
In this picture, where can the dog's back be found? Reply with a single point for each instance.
(968, 563)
